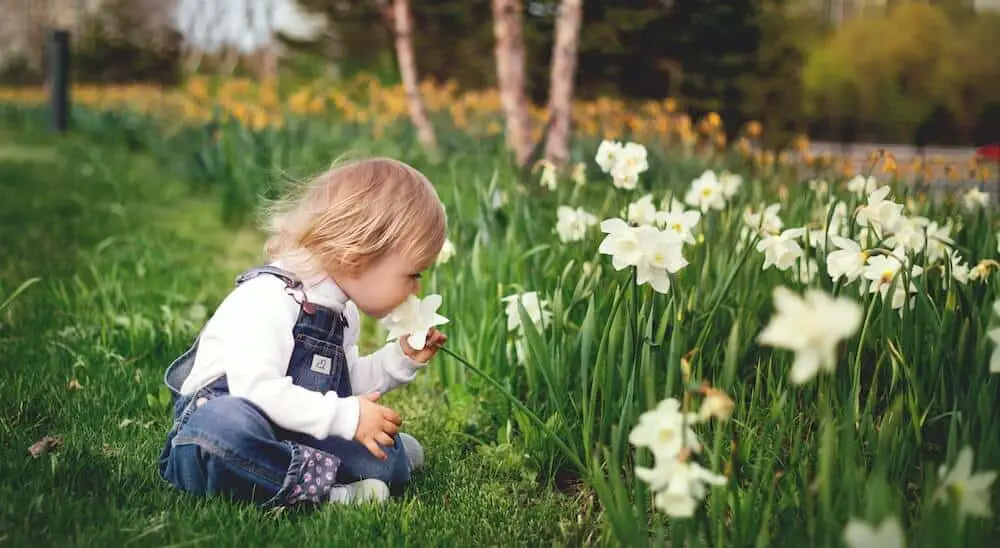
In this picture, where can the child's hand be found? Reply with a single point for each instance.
(376, 423)
(435, 339)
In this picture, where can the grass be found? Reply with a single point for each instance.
(909, 393)
(128, 264)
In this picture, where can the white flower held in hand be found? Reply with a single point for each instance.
(811, 327)
(415, 317)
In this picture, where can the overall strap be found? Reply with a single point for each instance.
(293, 286)
(291, 281)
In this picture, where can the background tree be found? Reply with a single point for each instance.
(402, 26)
(509, 53)
(563, 75)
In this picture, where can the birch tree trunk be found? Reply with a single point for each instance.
(402, 27)
(564, 54)
(509, 50)
(269, 62)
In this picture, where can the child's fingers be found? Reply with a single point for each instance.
(374, 396)
(391, 416)
(374, 449)
(390, 427)
(384, 439)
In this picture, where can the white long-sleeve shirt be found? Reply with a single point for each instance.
(249, 339)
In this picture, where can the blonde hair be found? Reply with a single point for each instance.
(351, 216)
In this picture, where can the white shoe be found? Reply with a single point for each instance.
(359, 492)
(414, 452)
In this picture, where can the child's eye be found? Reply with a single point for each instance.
(417, 276)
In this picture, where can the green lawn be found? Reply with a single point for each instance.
(128, 262)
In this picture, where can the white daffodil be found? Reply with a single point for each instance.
(661, 255)
(624, 179)
(642, 211)
(959, 270)
(415, 317)
(862, 186)
(838, 219)
(994, 336)
(672, 205)
(938, 240)
(680, 222)
(607, 154)
(679, 485)
(549, 177)
(623, 162)
(882, 269)
(974, 200)
(766, 222)
(706, 193)
(819, 186)
(909, 234)
(781, 250)
(888, 534)
(446, 253)
(970, 491)
(880, 212)
(536, 309)
(665, 430)
(621, 243)
(848, 261)
(634, 158)
(730, 183)
(811, 327)
(572, 224)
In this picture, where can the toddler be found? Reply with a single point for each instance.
(272, 402)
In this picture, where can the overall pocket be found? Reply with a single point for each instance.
(317, 364)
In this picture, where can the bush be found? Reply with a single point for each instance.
(897, 74)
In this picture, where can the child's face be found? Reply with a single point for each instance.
(384, 286)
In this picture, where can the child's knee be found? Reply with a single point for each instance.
(216, 451)
(394, 470)
(232, 423)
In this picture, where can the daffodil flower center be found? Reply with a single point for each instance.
(666, 436)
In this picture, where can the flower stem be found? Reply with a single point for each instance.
(856, 388)
(570, 454)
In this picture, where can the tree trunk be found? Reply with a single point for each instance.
(269, 62)
(402, 26)
(561, 86)
(509, 52)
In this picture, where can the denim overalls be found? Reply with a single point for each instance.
(223, 444)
